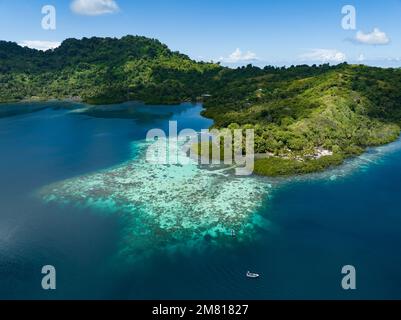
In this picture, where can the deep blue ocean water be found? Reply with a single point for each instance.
(318, 225)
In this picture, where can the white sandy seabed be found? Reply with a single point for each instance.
(174, 207)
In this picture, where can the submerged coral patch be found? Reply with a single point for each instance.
(168, 206)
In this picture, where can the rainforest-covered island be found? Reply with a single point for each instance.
(306, 118)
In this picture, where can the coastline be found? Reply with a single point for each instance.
(271, 166)
(41, 100)
(266, 164)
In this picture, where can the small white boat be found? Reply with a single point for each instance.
(252, 275)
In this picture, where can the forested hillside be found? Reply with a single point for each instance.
(102, 70)
(299, 111)
(296, 112)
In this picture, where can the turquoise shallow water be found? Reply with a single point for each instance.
(76, 192)
(168, 207)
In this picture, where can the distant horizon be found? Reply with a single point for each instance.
(258, 32)
(382, 63)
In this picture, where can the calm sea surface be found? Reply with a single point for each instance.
(315, 225)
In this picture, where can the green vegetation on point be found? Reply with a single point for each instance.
(294, 111)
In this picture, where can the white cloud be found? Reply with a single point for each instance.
(376, 37)
(324, 55)
(361, 58)
(39, 45)
(394, 59)
(238, 56)
(94, 7)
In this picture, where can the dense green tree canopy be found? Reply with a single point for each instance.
(294, 111)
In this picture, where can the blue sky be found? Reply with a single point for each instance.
(235, 32)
